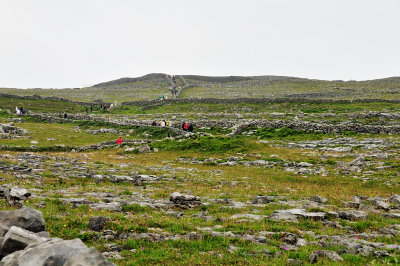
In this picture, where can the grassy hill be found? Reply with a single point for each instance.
(151, 86)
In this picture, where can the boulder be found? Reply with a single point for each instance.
(284, 216)
(391, 215)
(75, 201)
(380, 204)
(318, 199)
(120, 178)
(140, 179)
(395, 199)
(248, 216)
(293, 214)
(184, 201)
(332, 255)
(89, 257)
(262, 199)
(97, 223)
(14, 196)
(144, 148)
(352, 215)
(304, 164)
(294, 262)
(11, 129)
(17, 239)
(110, 206)
(351, 204)
(26, 218)
(54, 252)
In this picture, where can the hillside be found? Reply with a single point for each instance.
(151, 86)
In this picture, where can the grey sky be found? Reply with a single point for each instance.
(73, 43)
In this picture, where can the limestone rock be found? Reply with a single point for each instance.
(120, 178)
(54, 252)
(26, 218)
(380, 204)
(17, 239)
(332, 255)
(248, 216)
(294, 262)
(97, 223)
(144, 148)
(262, 199)
(352, 215)
(14, 196)
(89, 257)
(293, 214)
(111, 206)
(318, 199)
(184, 201)
(395, 199)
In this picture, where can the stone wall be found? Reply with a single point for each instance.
(238, 125)
(38, 97)
(251, 100)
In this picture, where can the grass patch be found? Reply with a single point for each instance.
(205, 144)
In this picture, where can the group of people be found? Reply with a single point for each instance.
(104, 106)
(162, 123)
(19, 110)
(173, 89)
(165, 123)
(187, 127)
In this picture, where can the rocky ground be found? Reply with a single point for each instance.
(271, 187)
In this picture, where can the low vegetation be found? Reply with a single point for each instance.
(228, 173)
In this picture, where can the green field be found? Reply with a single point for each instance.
(220, 169)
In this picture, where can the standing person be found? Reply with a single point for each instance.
(190, 128)
(65, 115)
(22, 110)
(186, 126)
(91, 108)
(119, 141)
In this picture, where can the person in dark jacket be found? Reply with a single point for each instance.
(190, 128)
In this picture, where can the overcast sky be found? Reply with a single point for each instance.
(75, 43)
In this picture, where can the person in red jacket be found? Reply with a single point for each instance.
(119, 140)
(185, 126)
